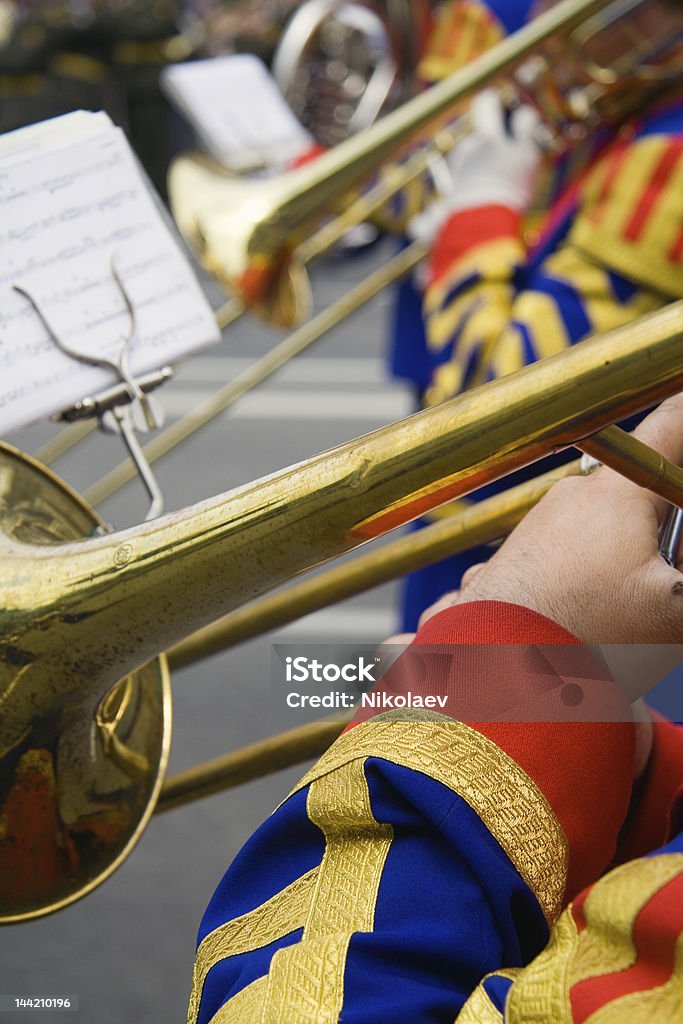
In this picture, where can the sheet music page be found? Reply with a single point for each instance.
(69, 207)
(237, 109)
(50, 135)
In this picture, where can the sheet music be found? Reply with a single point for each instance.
(69, 205)
(237, 109)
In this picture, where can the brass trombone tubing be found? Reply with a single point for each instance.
(63, 442)
(305, 336)
(474, 524)
(228, 313)
(331, 173)
(92, 611)
(477, 523)
(386, 137)
(637, 461)
(286, 749)
(398, 177)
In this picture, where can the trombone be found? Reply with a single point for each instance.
(84, 733)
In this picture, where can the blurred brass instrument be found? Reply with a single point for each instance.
(340, 65)
(259, 236)
(84, 732)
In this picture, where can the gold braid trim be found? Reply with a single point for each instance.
(647, 258)
(611, 907)
(506, 800)
(604, 946)
(244, 1008)
(278, 916)
(541, 994)
(479, 1009)
(306, 981)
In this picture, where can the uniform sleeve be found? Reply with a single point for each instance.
(615, 954)
(490, 309)
(421, 853)
(657, 805)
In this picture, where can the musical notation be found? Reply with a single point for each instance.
(73, 204)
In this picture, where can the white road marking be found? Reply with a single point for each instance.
(299, 404)
(215, 370)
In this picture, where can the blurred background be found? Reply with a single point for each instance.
(62, 55)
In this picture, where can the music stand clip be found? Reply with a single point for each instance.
(114, 406)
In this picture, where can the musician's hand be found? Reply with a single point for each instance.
(498, 162)
(496, 165)
(587, 556)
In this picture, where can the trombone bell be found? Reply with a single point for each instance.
(79, 785)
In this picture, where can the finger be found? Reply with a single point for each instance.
(487, 114)
(397, 639)
(644, 737)
(470, 573)
(524, 123)
(663, 431)
(390, 650)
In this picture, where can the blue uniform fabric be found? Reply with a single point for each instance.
(450, 906)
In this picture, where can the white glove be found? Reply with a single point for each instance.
(495, 165)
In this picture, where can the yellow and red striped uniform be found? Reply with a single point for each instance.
(612, 250)
(615, 954)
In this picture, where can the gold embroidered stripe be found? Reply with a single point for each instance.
(506, 800)
(604, 946)
(593, 284)
(493, 261)
(306, 981)
(461, 32)
(611, 907)
(278, 916)
(541, 994)
(244, 1008)
(646, 258)
(479, 1009)
(662, 1004)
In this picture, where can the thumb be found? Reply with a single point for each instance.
(524, 123)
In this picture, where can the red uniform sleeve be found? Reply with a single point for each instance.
(658, 800)
(547, 701)
(468, 229)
